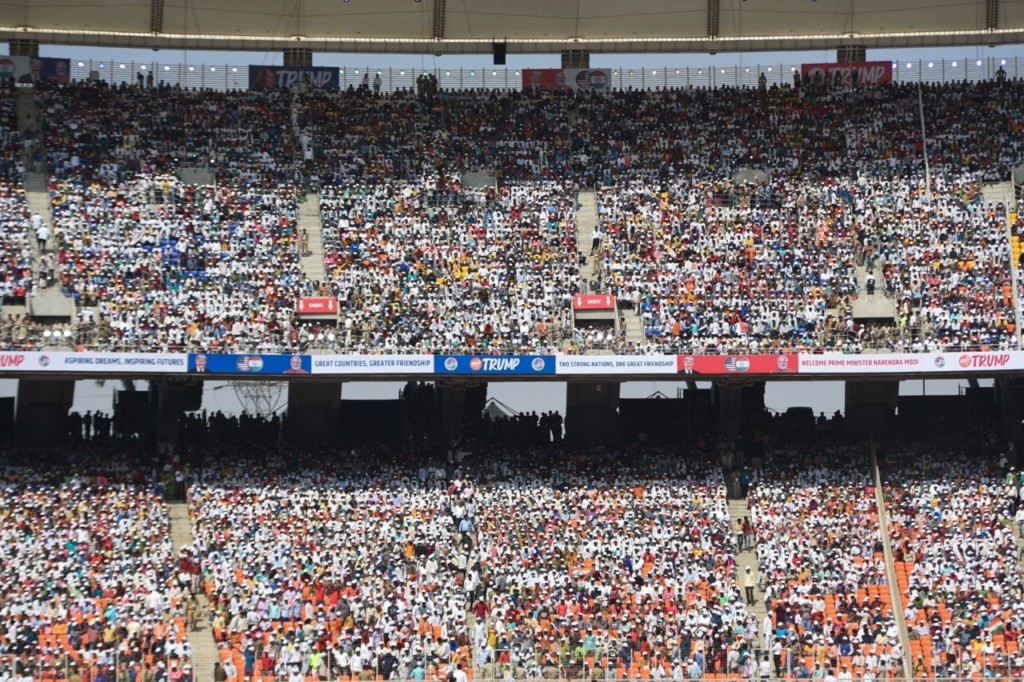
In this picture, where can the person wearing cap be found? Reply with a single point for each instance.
(748, 584)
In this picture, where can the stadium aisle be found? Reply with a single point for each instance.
(311, 242)
(204, 648)
(747, 558)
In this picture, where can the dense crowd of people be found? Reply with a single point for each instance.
(950, 517)
(167, 264)
(15, 249)
(509, 561)
(698, 275)
(334, 570)
(619, 565)
(89, 581)
(756, 235)
(748, 236)
(412, 276)
(822, 566)
(492, 565)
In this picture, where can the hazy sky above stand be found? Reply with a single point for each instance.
(821, 396)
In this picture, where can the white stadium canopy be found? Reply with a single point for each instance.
(527, 26)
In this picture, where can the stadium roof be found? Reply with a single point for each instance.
(528, 26)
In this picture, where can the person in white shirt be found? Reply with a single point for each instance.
(42, 235)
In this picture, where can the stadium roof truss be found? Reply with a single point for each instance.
(527, 26)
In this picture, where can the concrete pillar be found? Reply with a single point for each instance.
(871, 409)
(297, 56)
(592, 411)
(313, 408)
(42, 411)
(451, 398)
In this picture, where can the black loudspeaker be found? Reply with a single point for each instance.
(6, 419)
(193, 398)
(133, 408)
(498, 50)
(851, 53)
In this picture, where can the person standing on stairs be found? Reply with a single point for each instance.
(748, 585)
(42, 236)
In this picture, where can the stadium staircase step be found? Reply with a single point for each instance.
(49, 302)
(197, 175)
(998, 193)
(204, 649)
(737, 510)
(890, 566)
(586, 222)
(1003, 193)
(634, 328)
(1020, 544)
(875, 306)
(312, 261)
(27, 112)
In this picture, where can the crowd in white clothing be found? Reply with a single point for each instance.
(15, 250)
(462, 277)
(757, 234)
(950, 517)
(821, 562)
(88, 577)
(164, 263)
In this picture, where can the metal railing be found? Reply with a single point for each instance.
(52, 673)
(55, 667)
(39, 337)
(236, 77)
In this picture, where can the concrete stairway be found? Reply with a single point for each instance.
(204, 649)
(28, 120)
(12, 311)
(49, 302)
(1020, 545)
(737, 510)
(309, 220)
(872, 307)
(478, 180)
(197, 175)
(634, 329)
(586, 222)
(999, 193)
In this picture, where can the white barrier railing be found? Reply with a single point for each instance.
(235, 77)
